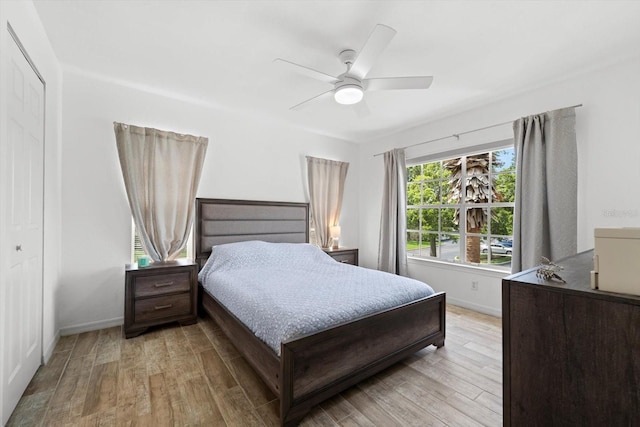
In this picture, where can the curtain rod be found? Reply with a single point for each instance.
(457, 135)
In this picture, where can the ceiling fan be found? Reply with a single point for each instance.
(350, 86)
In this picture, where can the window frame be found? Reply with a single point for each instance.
(487, 237)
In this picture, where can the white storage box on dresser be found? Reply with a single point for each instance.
(616, 260)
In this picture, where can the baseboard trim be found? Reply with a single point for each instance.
(48, 351)
(91, 326)
(475, 307)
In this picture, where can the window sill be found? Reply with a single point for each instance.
(460, 267)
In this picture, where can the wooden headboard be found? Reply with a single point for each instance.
(220, 221)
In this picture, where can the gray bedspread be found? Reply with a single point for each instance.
(284, 290)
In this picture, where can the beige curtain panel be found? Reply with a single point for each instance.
(392, 247)
(161, 172)
(326, 187)
(546, 210)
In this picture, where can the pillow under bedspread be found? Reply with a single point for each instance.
(284, 290)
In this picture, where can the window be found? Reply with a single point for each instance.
(137, 250)
(461, 209)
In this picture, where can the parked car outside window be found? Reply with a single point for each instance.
(499, 248)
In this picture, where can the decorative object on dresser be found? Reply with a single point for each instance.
(343, 255)
(548, 270)
(571, 354)
(158, 294)
(313, 367)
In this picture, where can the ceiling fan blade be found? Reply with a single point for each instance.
(308, 101)
(309, 72)
(375, 44)
(394, 83)
(362, 109)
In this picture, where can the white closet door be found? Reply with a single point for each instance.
(24, 195)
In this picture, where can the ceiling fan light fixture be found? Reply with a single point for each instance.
(348, 94)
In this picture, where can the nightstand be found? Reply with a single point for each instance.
(160, 294)
(343, 255)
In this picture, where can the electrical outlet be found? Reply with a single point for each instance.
(474, 285)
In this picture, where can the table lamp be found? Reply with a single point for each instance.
(334, 233)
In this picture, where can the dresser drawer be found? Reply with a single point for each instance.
(162, 307)
(148, 286)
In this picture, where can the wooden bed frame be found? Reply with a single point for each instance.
(316, 366)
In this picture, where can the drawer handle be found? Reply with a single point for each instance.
(345, 261)
(163, 284)
(162, 307)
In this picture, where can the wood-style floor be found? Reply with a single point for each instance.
(192, 375)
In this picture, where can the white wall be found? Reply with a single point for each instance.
(246, 159)
(24, 20)
(607, 128)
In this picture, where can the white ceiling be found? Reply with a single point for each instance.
(220, 53)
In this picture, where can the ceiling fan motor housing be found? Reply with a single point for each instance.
(348, 81)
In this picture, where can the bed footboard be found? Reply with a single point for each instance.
(317, 366)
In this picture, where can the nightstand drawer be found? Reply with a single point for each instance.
(162, 307)
(346, 258)
(343, 255)
(148, 286)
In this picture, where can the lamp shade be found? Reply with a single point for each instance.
(334, 231)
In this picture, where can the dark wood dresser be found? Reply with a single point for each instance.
(571, 354)
(343, 255)
(159, 294)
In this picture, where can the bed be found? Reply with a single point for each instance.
(313, 366)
